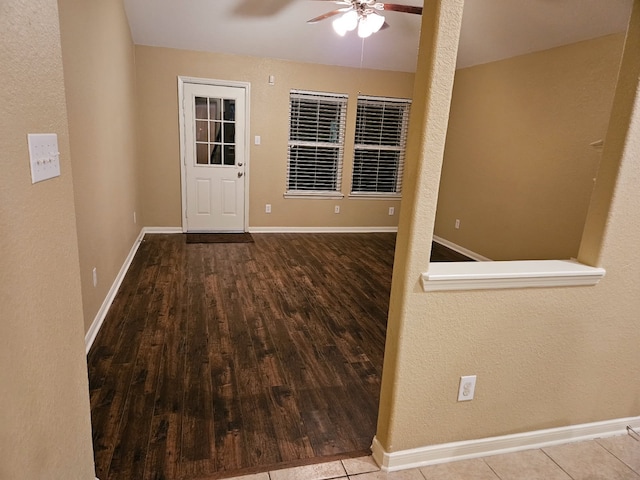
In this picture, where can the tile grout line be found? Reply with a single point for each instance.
(616, 457)
(491, 468)
(354, 476)
(559, 466)
(423, 475)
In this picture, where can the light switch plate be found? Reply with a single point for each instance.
(44, 156)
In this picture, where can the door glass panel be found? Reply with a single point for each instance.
(230, 110)
(201, 108)
(229, 155)
(201, 131)
(215, 131)
(216, 154)
(229, 133)
(202, 154)
(215, 108)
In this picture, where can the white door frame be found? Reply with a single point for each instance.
(183, 173)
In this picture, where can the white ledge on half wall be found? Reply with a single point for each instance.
(512, 274)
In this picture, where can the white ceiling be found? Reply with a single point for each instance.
(491, 29)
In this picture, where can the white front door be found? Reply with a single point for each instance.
(214, 148)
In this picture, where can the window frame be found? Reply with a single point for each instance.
(381, 146)
(331, 98)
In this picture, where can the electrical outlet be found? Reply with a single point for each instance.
(457, 223)
(336, 209)
(95, 277)
(392, 210)
(267, 208)
(467, 388)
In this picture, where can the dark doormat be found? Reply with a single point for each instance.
(219, 238)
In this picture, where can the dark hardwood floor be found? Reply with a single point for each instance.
(225, 359)
(440, 253)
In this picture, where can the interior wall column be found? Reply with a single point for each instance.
(440, 33)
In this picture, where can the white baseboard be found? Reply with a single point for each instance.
(457, 248)
(90, 336)
(323, 229)
(448, 452)
(163, 230)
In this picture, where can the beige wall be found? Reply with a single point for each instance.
(98, 56)
(157, 72)
(45, 431)
(545, 357)
(518, 169)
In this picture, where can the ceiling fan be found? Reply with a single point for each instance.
(361, 14)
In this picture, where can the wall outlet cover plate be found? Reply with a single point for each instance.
(467, 388)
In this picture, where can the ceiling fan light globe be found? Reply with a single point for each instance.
(370, 24)
(350, 20)
(339, 26)
(364, 28)
(375, 22)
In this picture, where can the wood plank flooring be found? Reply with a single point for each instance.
(440, 253)
(221, 359)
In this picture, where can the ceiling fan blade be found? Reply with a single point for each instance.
(338, 2)
(324, 16)
(403, 8)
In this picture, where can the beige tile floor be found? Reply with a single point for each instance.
(614, 458)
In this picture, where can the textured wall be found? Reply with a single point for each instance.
(45, 431)
(518, 169)
(441, 22)
(99, 73)
(545, 357)
(157, 72)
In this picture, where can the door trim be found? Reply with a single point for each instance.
(182, 80)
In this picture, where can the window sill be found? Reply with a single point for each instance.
(314, 195)
(515, 274)
(376, 196)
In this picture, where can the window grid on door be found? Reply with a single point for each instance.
(215, 131)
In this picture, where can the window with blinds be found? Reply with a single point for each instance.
(380, 141)
(316, 142)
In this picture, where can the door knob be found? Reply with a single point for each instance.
(240, 174)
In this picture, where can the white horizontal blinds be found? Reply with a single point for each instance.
(316, 142)
(380, 141)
